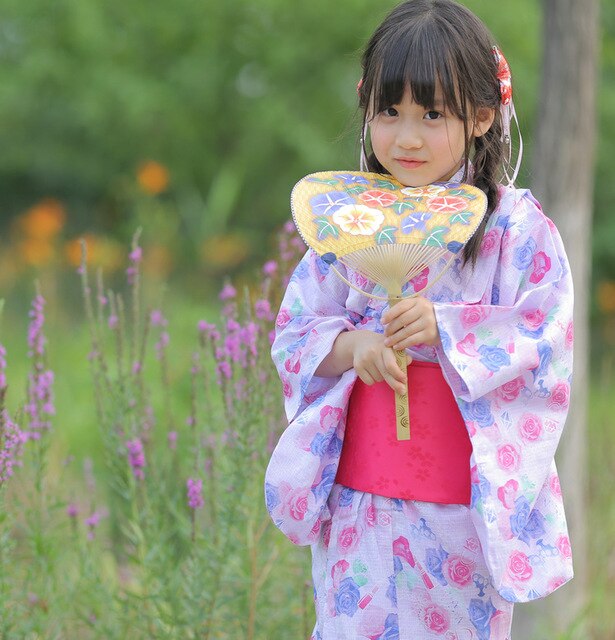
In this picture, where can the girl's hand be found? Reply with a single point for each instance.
(409, 322)
(375, 362)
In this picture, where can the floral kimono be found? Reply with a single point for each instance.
(386, 568)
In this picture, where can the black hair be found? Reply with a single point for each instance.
(425, 44)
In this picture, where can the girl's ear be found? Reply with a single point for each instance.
(483, 120)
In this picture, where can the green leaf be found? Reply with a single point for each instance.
(360, 580)
(385, 184)
(402, 207)
(386, 235)
(435, 237)
(356, 190)
(325, 228)
(463, 217)
(329, 181)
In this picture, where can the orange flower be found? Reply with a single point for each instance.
(44, 220)
(153, 177)
(225, 251)
(36, 251)
(606, 296)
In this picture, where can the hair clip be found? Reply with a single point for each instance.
(507, 110)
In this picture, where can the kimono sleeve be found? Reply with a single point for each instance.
(527, 320)
(509, 364)
(302, 468)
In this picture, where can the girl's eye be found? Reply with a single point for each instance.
(390, 111)
(433, 115)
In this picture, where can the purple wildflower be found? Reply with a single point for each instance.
(208, 330)
(12, 439)
(92, 522)
(157, 319)
(228, 292)
(172, 439)
(135, 257)
(72, 511)
(39, 406)
(136, 457)
(270, 268)
(162, 344)
(262, 308)
(195, 493)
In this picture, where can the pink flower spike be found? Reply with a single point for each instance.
(228, 292)
(195, 493)
(270, 268)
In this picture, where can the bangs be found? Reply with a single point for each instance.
(418, 60)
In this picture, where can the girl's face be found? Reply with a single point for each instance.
(418, 146)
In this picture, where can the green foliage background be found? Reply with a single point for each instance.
(238, 99)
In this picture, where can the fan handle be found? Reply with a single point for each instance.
(401, 399)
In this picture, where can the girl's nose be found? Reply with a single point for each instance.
(408, 137)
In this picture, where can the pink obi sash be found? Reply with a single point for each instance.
(433, 466)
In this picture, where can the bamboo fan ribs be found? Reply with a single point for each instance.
(389, 233)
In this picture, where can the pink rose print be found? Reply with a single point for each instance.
(530, 427)
(371, 625)
(554, 583)
(472, 315)
(559, 397)
(292, 364)
(569, 335)
(466, 346)
(370, 516)
(510, 390)
(337, 571)
(436, 619)
(420, 282)
(298, 502)
(509, 458)
(287, 388)
(489, 244)
(330, 417)
(384, 519)
(459, 570)
(563, 545)
(533, 319)
(348, 539)
(508, 493)
(541, 263)
(283, 318)
(326, 533)
(519, 567)
(499, 624)
(554, 485)
(315, 530)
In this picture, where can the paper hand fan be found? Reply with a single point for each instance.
(389, 233)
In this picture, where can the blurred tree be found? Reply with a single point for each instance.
(563, 180)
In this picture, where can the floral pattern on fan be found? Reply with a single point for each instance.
(341, 212)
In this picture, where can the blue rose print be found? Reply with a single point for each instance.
(325, 204)
(345, 499)
(481, 613)
(545, 354)
(535, 527)
(323, 488)
(477, 411)
(445, 339)
(494, 358)
(495, 294)
(335, 446)
(480, 490)
(391, 628)
(272, 497)
(523, 255)
(502, 221)
(347, 597)
(392, 591)
(433, 560)
(520, 517)
(319, 445)
(322, 266)
(537, 333)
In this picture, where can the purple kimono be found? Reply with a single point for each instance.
(386, 568)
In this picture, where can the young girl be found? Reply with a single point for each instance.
(436, 98)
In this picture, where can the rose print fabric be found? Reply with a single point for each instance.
(391, 569)
(506, 352)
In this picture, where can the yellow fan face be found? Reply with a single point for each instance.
(341, 212)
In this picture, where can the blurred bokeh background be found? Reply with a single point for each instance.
(194, 120)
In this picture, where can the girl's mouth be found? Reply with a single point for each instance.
(410, 164)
